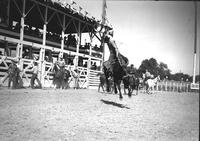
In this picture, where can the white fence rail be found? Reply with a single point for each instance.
(174, 86)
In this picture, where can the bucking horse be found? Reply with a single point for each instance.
(115, 66)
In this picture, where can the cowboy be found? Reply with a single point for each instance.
(12, 74)
(109, 40)
(61, 61)
(102, 79)
(114, 50)
(75, 75)
(131, 70)
(35, 76)
(147, 75)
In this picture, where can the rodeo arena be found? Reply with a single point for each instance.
(55, 84)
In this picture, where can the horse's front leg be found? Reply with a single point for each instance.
(147, 89)
(124, 90)
(107, 85)
(115, 88)
(119, 89)
(130, 90)
(137, 89)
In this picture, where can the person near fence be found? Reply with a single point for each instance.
(61, 61)
(102, 79)
(35, 76)
(19, 76)
(75, 75)
(13, 74)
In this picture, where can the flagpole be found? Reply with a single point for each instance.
(104, 6)
(195, 41)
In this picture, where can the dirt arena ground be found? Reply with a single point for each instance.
(86, 115)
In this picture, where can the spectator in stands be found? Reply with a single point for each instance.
(69, 39)
(95, 47)
(87, 46)
(91, 66)
(30, 31)
(94, 66)
(73, 41)
(17, 26)
(85, 65)
(26, 29)
(101, 49)
(36, 32)
(26, 54)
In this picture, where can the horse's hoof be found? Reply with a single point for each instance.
(120, 97)
(129, 95)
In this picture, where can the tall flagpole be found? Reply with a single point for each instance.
(104, 6)
(195, 41)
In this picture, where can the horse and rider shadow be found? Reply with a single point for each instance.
(114, 104)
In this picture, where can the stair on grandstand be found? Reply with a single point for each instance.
(93, 79)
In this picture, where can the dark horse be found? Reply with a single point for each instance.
(115, 67)
(60, 79)
(131, 83)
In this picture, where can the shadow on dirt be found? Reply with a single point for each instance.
(114, 104)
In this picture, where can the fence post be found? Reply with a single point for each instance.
(156, 86)
(186, 87)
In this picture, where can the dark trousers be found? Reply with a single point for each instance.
(12, 78)
(33, 78)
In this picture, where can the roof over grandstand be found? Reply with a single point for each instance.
(59, 15)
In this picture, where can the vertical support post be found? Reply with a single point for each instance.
(103, 46)
(156, 86)
(78, 44)
(63, 36)
(89, 62)
(8, 13)
(20, 45)
(42, 50)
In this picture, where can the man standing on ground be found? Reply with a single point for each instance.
(35, 76)
(12, 74)
(102, 79)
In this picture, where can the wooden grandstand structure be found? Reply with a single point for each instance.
(39, 30)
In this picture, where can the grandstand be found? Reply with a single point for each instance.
(42, 30)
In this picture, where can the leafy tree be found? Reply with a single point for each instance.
(151, 65)
(181, 77)
(163, 71)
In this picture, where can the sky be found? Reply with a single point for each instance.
(163, 30)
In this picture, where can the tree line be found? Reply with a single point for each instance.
(162, 69)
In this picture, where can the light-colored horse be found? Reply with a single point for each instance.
(151, 83)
